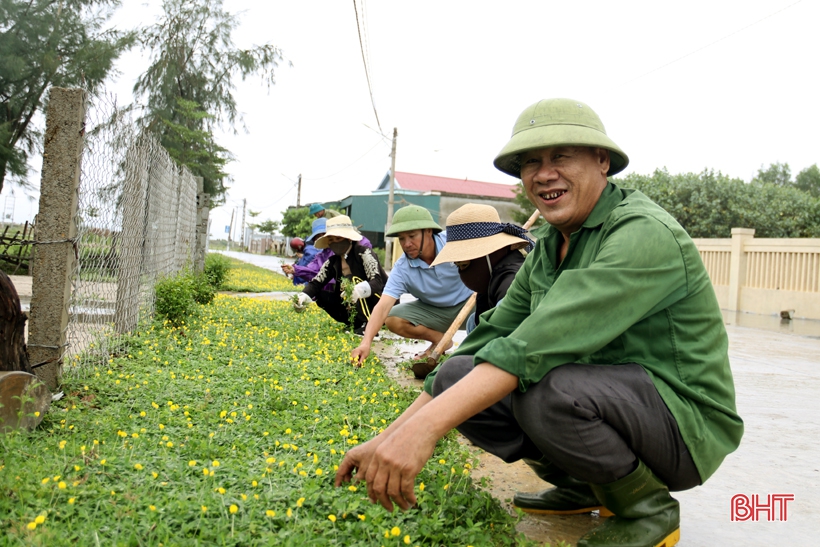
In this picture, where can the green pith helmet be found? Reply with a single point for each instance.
(412, 217)
(558, 122)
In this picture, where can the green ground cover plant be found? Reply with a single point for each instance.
(244, 277)
(227, 431)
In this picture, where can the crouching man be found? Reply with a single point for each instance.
(606, 365)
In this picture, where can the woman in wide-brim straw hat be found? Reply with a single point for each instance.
(350, 260)
(487, 252)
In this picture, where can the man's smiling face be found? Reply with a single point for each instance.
(564, 183)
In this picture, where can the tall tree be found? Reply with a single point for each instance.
(808, 180)
(46, 43)
(297, 222)
(193, 58)
(779, 174)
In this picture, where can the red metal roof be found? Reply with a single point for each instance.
(430, 183)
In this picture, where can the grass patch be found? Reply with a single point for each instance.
(244, 277)
(227, 431)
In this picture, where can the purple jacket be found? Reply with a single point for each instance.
(305, 274)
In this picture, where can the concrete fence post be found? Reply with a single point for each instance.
(54, 260)
(132, 236)
(737, 264)
(203, 208)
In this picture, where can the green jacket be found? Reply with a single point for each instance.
(631, 289)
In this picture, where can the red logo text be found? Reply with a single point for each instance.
(754, 507)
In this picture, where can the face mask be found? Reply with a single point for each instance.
(340, 248)
(477, 275)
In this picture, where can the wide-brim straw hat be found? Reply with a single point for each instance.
(340, 226)
(558, 122)
(467, 239)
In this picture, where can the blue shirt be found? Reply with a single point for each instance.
(438, 286)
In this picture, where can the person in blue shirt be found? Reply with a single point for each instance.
(438, 290)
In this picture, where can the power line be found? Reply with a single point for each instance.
(710, 44)
(364, 61)
(349, 166)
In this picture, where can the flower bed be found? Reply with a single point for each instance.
(244, 277)
(227, 431)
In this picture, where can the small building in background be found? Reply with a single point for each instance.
(440, 195)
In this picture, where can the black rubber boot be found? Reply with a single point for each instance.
(645, 514)
(569, 497)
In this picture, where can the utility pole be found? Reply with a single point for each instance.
(242, 236)
(299, 191)
(388, 243)
(230, 228)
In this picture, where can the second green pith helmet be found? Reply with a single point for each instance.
(558, 122)
(412, 217)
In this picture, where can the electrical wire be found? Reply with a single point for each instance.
(349, 166)
(366, 68)
(711, 43)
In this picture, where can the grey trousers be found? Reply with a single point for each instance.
(592, 421)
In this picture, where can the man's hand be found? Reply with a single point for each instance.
(302, 301)
(361, 290)
(356, 459)
(360, 353)
(391, 472)
(287, 268)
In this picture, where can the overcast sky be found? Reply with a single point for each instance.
(687, 85)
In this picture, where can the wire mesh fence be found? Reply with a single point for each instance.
(136, 222)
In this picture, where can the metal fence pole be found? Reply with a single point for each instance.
(53, 263)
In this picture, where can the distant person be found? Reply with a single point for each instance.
(351, 261)
(304, 269)
(438, 290)
(318, 210)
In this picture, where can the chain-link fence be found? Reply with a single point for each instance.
(136, 222)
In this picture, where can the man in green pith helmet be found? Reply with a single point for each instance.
(438, 289)
(605, 367)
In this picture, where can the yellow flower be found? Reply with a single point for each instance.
(299, 502)
(220, 490)
(270, 513)
(192, 463)
(352, 488)
(31, 525)
(152, 507)
(254, 484)
(244, 497)
(407, 540)
(319, 471)
(362, 517)
(61, 485)
(138, 466)
(233, 509)
(332, 518)
(154, 474)
(215, 463)
(395, 531)
(45, 480)
(289, 513)
(71, 501)
(205, 471)
(204, 509)
(102, 462)
(421, 487)
(169, 444)
(40, 519)
(442, 462)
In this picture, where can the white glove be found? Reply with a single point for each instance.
(302, 301)
(361, 290)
